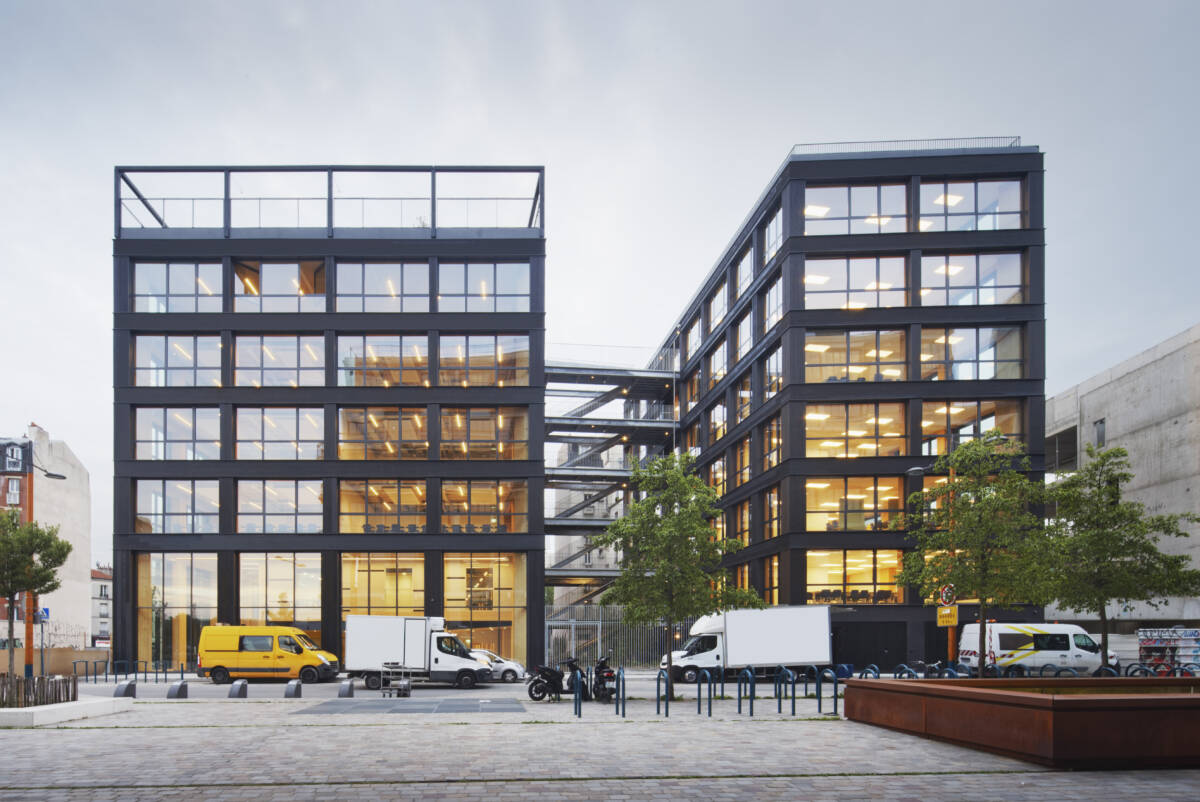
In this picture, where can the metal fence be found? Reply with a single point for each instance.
(33, 691)
(588, 631)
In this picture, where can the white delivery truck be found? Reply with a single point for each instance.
(730, 641)
(1033, 646)
(419, 647)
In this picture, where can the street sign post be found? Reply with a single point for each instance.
(947, 616)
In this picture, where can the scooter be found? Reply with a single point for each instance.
(604, 682)
(546, 680)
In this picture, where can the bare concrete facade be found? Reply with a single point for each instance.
(1150, 406)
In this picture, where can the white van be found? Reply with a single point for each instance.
(1033, 646)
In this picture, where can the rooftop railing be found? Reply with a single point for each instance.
(886, 145)
(226, 201)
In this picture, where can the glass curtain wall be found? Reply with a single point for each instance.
(176, 598)
(486, 601)
(282, 589)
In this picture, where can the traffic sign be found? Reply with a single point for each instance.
(947, 616)
(45, 613)
(947, 594)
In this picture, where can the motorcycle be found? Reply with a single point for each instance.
(546, 680)
(604, 682)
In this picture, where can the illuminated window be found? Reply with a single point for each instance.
(969, 354)
(773, 373)
(717, 362)
(879, 209)
(383, 583)
(855, 356)
(772, 439)
(771, 580)
(492, 433)
(383, 360)
(972, 279)
(485, 507)
(716, 476)
(851, 284)
(280, 506)
(854, 576)
(743, 397)
(281, 433)
(691, 390)
(741, 462)
(279, 286)
(381, 506)
(483, 287)
(484, 360)
(279, 361)
(970, 205)
(382, 287)
(855, 430)
(716, 423)
(741, 522)
(854, 503)
(947, 424)
(176, 287)
(382, 433)
(177, 433)
(771, 513)
(177, 361)
(177, 506)
(281, 589)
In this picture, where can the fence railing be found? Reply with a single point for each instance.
(34, 691)
(589, 631)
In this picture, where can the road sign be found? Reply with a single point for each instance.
(947, 616)
(45, 613)
(947, 595)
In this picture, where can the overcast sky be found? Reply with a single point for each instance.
(659, 124)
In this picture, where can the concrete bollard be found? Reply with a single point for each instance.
(346, 689)
(238, 689)
(292, 691)
(126, 688)
(178, 690)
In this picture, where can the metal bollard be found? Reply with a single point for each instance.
(292, 691)
(619, 696)
(178, 690)
(126, 688)
(346, 689)
(238, 689)
(578, 686)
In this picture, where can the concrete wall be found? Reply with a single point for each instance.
(66, 503)
(1150, 405)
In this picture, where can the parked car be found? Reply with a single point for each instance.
(507, 670)
(1033, 645)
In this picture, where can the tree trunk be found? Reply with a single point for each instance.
(1103, 636)
(12, 618)
(982, 638)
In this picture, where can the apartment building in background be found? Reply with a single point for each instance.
(329, 388)
(101, 607)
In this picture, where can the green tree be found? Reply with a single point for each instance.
(1106, 549)
(30, 556)
(978, 530)
(670, 555)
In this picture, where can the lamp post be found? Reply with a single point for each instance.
(31, 597)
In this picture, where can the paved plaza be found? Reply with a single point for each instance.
(493, 742)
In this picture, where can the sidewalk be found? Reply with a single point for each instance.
(266, 747)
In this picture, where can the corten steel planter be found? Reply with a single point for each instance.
(1066, 723)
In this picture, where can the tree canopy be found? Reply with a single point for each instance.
(1106, 548)
(670, 564)
(30, 556)
(977, 529)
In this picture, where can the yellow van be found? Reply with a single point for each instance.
(251, 652)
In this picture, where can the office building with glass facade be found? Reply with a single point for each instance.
(882, 303)
(328, 401)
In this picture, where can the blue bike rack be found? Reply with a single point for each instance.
(701, 677)
(899, 670)
(748, 673)
(833, 676)
(870, 672)
(659, 697)
(1047, 666)
(782, 675)
(1065, 670)
(619, 696)
(75, 671)
(809, 671)
(1106, 671)
(577, 681)
(1182, 671)
(1015, 670)
(947, 673)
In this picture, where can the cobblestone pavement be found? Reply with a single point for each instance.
(268, 749)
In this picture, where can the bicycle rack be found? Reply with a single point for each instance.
(1015, 670)
(899, 671)
(1106, 671)
(578, 683)
(809, 670)
(748, 671)
(85, 668)
(1042, 670)
(832, 675)
(658, 696)
(1182, 671)
(1140, 670)
(780, 671)
(1064, 670)
(619, 696)
(96, 672)
(947, 673)
(870, 672)
(700, 677)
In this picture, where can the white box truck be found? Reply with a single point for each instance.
(787, 636)
(1033, 646)
(419, 646)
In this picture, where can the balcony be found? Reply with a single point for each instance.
(363, 202)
